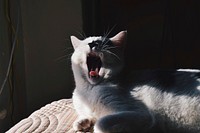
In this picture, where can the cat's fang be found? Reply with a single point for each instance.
(97, 70)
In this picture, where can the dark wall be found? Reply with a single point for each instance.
(47, 26)
(161, 33)
(41, 71)
(5, 121)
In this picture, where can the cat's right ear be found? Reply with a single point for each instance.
(119, 39)
(75, 41)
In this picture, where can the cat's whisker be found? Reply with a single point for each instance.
(106, 36)
(106, 42)
(107, 48)
(81, 34)
(68, 56)
(84, 35)
(67, 39)
(102, 43)
(112, 54)
(105, 33)
(67, 49)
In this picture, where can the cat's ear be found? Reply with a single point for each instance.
(119, 39)
(75, 41)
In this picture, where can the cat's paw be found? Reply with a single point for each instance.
(83, 124)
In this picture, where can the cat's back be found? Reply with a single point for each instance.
(174, 81)
(173, 96)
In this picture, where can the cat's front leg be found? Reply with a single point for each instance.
(83, 124)
(129, 122)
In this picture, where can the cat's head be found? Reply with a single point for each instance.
(98, 58)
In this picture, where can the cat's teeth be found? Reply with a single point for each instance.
(97, 70)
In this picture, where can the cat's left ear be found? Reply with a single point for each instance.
(75, 41)
(119, 39)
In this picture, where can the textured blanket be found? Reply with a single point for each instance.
(56, 117)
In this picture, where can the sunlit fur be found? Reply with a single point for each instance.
(165, 101)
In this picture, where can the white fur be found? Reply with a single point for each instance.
(188, 70)
(182, 110)
(111, 108)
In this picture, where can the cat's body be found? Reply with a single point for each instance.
(142, 101)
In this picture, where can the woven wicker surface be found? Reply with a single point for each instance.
(56, 117)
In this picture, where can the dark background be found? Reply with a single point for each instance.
(161, 34)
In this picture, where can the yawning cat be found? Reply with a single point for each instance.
(141, 101)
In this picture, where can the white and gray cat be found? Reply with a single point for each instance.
(142, 101)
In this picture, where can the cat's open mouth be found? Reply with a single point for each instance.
(94, 65)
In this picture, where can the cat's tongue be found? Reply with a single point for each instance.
(94, 73)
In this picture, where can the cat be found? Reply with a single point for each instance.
(108, 100)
